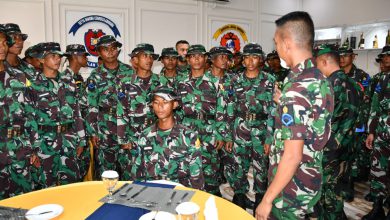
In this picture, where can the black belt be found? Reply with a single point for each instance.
(110, 110)
(11, 132)
(142, 120)
(56, 128)
(252, 116)
(201, 116)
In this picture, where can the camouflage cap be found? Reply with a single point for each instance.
(220, 50)
(324, 49)
(107, 40)
(385, 50)
(31, 52)
(10, 40)
(46, 48)
(75, 49)
(196, 49)
(12, 28)
(379, 58)
(344, 50)
(166, 93)
(168, 52)
(252, 49)
(272, 55)
(146, 48)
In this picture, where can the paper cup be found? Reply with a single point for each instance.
(187, 211)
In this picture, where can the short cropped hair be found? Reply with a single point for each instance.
(182, 42)
(300, 25)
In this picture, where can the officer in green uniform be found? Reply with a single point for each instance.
(302, 124)
(378, 141)
(17, 127)
(61, 135)
(182, 47)
(105, 118)
(30, 58)
(168, 150)
(201, 111)
(15, 50)
(252, 126)
(346, 98)
(169, 73)
(77, 58)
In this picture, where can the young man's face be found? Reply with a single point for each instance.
(163, 108)
(346, 60)
(109, 53)
(51, 61)
(197, 61)
(82, 60)
(221, 61)
(274, 63)
(3, 46)
(169, 62)
(144, 61)
(252, 62)
(182, 49)
(18, 46)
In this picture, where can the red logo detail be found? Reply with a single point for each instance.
(90, 40)
(231, 42)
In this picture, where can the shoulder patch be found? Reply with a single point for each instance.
(287, 116)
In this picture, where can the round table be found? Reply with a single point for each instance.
(81, 199)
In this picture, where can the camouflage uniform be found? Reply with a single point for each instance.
(171, 155)
(282, 73)
(165, 80)
(252, 126)
(201, 111)
(105, 118)
(23, 66)
(77, 79)
(17, 132)
(60, 125)
(346, 97)
(304, 113)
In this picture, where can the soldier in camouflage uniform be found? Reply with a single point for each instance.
(105, 115)
(30, 58)
(182, 47)
(345, 113)
(359, 161)
(378, 140)
(302, 125)
(77, 58)
(16, 127)
(169, 74)
(60, 125)
(168, 150)
(137, 94)
(237, 66)
(15, 50)
(276, 69)
(251, 109)
(201, 111)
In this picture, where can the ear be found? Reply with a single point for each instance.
(175, 104)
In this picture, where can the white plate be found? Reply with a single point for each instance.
(160, 216)
(33, 214)
(166, 182)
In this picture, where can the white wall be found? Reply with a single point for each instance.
(159, 22)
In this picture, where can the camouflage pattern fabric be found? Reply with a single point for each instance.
(172, 154)
(379, 125)
(202, 110)
(251, 111)
(280, 75)
(26, 68)
(345, 112)
(78, 80)
(60, 129)
(303, 113)
(17, 132)
(105, 118)
(361, 155)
